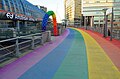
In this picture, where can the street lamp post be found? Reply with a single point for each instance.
(112, 25)
(105, 23)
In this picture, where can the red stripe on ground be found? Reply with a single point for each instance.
(114, 41)
(112, 48)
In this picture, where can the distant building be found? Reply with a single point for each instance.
(42, 8)
(94, 15)
(73, 11)
(20, 15)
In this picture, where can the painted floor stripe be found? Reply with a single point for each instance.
(15, 69)
(112, 48)
(99, 64)
(75, 64)
(46, 68)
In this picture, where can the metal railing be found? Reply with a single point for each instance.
(116, 32)
(14, 47)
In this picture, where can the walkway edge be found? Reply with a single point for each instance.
(18, 67)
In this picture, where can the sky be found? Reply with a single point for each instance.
(55, 5)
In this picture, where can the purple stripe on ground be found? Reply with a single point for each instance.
(18, 67)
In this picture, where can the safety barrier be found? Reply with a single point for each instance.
(14, 47)
(116, 32)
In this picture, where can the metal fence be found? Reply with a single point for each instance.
(14, 47)
(116, 32)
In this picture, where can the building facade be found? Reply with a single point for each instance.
(94, 15)
(19, 14)
(73, 11)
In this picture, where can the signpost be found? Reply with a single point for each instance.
(108, 12)
(105, 23)
(112, 25)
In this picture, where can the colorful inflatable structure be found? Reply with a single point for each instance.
(45, 20)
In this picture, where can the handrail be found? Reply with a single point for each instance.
(5, 48)
(19, 37)
(18, 45)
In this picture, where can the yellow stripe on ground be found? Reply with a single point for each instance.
(99, 64)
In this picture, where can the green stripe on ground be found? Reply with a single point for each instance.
(75, 64)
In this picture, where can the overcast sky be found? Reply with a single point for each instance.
(55, 5)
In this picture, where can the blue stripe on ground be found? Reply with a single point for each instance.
(75, 64)
(47, 67)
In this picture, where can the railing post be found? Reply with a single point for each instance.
(33, 42)
(49, 36)
(42, 40)
(111, 35)
(17, 48)
(119, 34)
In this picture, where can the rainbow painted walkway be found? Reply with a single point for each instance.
(76, 54)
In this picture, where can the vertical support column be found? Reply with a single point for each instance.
(99, 21)
(106, 29)
(80, 22)
(65, 23)
(85, 25)
(17, 48)
(105, 23)
(42, 39)
(119, 34)
(49, 36)
(25, 26)
(33, 42)
(25, 23)
(111, 35)
(18, 27)
(92, 21)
